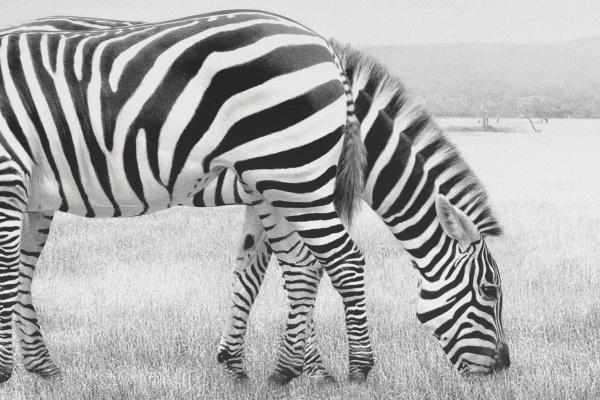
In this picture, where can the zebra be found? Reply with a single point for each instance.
(398, 134)
(35, 353)
(128, 120)
(423, 190)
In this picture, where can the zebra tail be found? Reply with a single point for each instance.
(350, 180)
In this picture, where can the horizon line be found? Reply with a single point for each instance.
(597, 36)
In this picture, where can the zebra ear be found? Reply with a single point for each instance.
(455, 222)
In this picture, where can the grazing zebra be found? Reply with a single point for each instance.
(432, 202)
(409, 163)
(133, 119)
(34, 351)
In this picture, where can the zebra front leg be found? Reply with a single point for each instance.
(34, 350)
(13, 204)
(313, 362)
(251, 264)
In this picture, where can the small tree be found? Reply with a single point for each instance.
(484, 118)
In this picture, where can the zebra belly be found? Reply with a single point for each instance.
(46, 195)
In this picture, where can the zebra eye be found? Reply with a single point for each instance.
(489, 292)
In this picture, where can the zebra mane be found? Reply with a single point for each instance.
(460, 184)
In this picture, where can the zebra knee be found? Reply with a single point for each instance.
(349, 275)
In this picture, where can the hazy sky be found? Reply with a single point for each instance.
(362, 22)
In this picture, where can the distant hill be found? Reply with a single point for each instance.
(555, 80)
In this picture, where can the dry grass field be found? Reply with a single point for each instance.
(133, 308)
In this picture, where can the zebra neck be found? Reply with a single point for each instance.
(402, 178)
(409, 158)
(409, 165)
(410, 162)
(417, 228)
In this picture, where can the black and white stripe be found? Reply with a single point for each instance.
(410, 165)
(423, 190)
(136, 118)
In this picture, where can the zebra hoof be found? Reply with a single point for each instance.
(277, 379)
(323, 379)
(358, 373)
(321, 376)
(233, 364)
(358, 377)
(237, 372)
(46, 373)
(240, 376)
(5, 375)
(42, 366)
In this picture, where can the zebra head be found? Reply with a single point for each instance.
(460, 302)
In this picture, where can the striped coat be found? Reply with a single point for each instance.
(138, 118)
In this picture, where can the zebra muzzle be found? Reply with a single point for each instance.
(502, 357)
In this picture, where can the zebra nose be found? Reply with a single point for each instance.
(503, 357)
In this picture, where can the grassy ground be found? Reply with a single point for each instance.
(132, 309)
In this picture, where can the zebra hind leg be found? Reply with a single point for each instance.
(291, 350)
(344, 264)
(347, 277)
(301, 288)
(251, 265)
(252, 261)
(301, 275)
(34, 351)
(313, 363)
